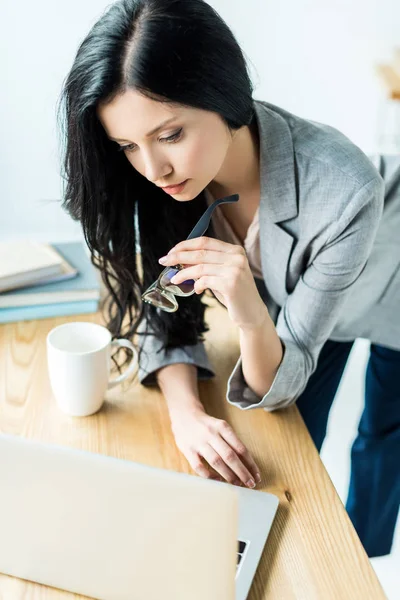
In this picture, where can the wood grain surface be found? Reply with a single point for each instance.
(313, 552)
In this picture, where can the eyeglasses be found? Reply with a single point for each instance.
(162, 293)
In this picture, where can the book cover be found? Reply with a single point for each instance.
(67, 272)
(84, 286)
(24, 261)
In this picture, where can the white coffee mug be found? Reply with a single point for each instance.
(79, 363)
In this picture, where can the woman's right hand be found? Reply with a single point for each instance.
(205, 439)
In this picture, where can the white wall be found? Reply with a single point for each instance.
(313, 57)
(317, 58)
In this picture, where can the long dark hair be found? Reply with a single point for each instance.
(138, 44)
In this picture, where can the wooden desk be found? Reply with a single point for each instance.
(313, 552)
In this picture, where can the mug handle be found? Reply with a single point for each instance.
(123, 343)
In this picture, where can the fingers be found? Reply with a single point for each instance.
(198, 466)
(229, 458)
(219, 464)
(215, 452)
(207, 243)
(227, 433)
(224, 462)
(195, 257)
(196, 271)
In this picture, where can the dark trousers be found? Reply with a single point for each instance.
(374, 490)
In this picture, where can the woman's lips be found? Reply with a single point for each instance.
(175, 189)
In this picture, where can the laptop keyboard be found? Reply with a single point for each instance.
(241, 550)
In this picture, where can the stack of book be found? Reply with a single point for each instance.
(38, 281)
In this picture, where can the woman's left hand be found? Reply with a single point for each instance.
(224, 269)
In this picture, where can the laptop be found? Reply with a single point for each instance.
(113, 529)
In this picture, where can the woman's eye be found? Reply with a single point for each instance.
(174, 137)
(170, 139)
(128, 147)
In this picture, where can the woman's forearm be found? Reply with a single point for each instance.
(262, 352)
(178, 383)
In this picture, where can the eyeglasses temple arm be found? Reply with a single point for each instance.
(204, 221)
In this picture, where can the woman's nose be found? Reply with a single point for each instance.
(155, 169)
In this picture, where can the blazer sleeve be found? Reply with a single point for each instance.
(153, 357)
(311, 311)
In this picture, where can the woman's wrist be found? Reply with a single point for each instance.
(189, 406)
(178, 383)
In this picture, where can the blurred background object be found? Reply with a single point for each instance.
(73, 290)
(388, 133)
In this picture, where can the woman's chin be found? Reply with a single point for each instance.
(185, 197)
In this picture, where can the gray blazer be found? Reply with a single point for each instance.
(330, 253)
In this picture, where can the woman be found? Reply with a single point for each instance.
(305, 262)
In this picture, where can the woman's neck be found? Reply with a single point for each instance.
(240, 173)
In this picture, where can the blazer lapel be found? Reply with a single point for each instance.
(278, 200)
